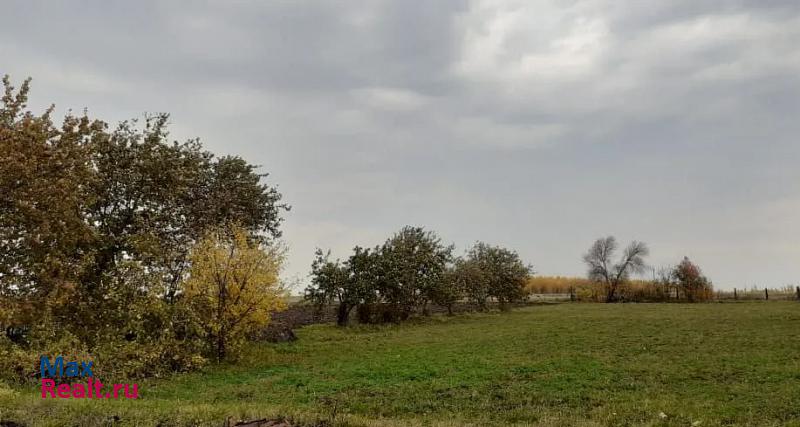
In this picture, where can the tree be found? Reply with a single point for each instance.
(78, 201)
(413, 264)
(365, 279)
(386, 283)
(43, 234)
(612, 276)
(448, 291)
(233, 281)
(152, 200)
(350, 284)
(689, 278)
(468, 277)
(502, 269)
(328, 284)
(96, 228)
(411, 270)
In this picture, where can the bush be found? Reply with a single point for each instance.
(130, 360)
(19, 364)
(149, 337)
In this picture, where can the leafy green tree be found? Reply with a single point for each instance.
(450, 290)
(365, 278)
(503, 271)
(331, 282)
(154, 199)
(468, 277)
(414, 262)
(351, 284)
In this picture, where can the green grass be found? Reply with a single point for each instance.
(568, 364)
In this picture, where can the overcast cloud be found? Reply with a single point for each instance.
(535, 125)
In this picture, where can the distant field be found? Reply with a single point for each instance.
(562, 364)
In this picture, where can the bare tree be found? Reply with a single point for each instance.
(602, 268)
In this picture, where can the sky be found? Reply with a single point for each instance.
(535, 125)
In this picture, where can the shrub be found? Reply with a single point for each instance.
(20, 363)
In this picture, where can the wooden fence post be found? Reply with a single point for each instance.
(797, 288)
(572, 293)
(766, 294)
(735, 295)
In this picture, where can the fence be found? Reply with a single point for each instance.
(766, 294)
(666, 294)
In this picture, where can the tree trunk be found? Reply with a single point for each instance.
(221, 337)
(342, 314)
(221, 345)
(611, 294)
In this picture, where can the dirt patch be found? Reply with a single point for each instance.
(283, 323)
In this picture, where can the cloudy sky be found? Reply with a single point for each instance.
(535, 125)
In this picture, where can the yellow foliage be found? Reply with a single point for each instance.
(586, 290)
(233, 283)
(555, 284)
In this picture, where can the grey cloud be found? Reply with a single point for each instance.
(539, 125)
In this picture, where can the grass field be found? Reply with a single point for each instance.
(566, 364)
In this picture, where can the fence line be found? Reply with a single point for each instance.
(673, 294)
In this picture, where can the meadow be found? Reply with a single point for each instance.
(734, 363)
